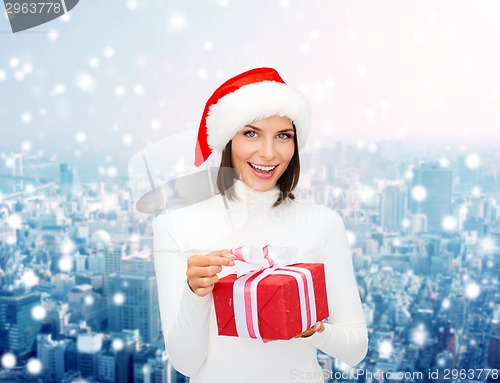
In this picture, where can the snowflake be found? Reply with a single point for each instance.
(176, 22)
(53, 35)
(385, 349)
(446, 304)
(108, 52)
(26, 118)
(444, 162)
(155, 124)
(119, 298)
(472, 290)
(34, 366)
(81, 137)
(94, 62)
(117, 344)
(9, 360)
(85, 82)
(138, 90)
(472, 161)
(419, 193)
(209, 45)
(65, 264)
(419, 335)
(127, 139)
(119, 91)
(449, 223)
(89, 300)
(38, 313)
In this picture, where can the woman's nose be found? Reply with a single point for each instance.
(267, 149)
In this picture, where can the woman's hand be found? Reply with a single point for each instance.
(318, 327)
(202, 270)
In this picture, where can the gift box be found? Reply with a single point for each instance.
(274, 303)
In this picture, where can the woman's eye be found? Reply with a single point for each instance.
(284, 135)
(250, 133)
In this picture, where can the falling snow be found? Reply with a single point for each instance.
(29, 279)
(449, 223)
(472, 161)
(9, 360)
(85, 82)
(419, 193)
(34, 366)
(472, 290)
(38, 313)
(65, 264)
(119, 298)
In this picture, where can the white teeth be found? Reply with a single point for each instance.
(265, 168)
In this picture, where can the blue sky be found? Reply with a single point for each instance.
(115, 76)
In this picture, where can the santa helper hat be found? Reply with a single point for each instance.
(253, 95)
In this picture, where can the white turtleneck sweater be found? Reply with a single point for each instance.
(188, 320)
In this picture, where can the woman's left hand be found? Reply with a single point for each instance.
(318, 327)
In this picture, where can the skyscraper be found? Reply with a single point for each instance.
(113, 255)
(51, 354)
(134, 304)
(392, 208)
(66, 179)
(494, 346)
(18, 328)
(437, 182)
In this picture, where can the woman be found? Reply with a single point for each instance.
(259, 123)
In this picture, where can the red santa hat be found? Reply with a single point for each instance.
(253, 95)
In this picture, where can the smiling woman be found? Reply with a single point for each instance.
(259, 123)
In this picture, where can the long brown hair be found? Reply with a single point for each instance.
(286, 183)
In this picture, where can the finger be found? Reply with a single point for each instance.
(223, 253)
(203, 272)
(203, 282)
(209, 260)
(319, 327)
(203, 291)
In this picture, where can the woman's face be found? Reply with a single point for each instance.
(262, 150)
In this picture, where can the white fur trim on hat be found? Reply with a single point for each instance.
(254, 102)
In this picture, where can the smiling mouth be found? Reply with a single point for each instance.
(261, 168)
(263, 172)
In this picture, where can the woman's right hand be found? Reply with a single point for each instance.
(202, 270)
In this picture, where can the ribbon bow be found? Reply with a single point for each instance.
(253, 258)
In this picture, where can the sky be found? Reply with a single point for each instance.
(110, 78)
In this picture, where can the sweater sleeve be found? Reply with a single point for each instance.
(345, 336)
(185, 316)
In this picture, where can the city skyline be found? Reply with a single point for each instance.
(385, 71)
(427, 291)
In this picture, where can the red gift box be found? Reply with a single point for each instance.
(278, 303)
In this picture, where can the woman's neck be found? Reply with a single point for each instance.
(256, 197)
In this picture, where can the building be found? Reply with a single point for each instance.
(113, 255)
(18, 328)
(51, 354)
(494, 346)
(437, 182)
(137, 305)
(393, 204)
(66, 179)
